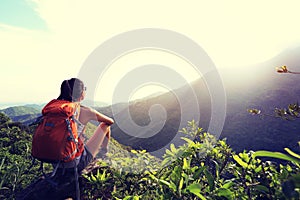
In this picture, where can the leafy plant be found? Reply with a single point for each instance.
(202, 168)
(290, 181)
(15, 143)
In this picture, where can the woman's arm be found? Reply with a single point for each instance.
(87, 114)
(103, 118)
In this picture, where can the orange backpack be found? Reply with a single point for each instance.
(56, 138)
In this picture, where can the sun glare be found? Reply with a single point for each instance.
(126, 64)
(150, 90)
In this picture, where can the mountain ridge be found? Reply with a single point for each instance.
(257, 86)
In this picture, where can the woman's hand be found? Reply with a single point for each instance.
(109, 122)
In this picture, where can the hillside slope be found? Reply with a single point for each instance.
(25, 114)
(257, 86)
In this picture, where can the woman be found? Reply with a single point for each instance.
(74, 90)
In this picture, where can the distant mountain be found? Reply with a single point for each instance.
(257, 86)
(93, 103)
(264, 89)
(24, 114)
(20, 110)
(143, 133)
(38, 107)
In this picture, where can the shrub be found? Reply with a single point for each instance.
(202, 168)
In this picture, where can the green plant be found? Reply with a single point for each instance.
(202, 168)
(15, 143)
(290, 180)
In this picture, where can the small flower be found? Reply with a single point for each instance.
(254, 111)
(282, 69)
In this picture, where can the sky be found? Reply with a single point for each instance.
(43, 42)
